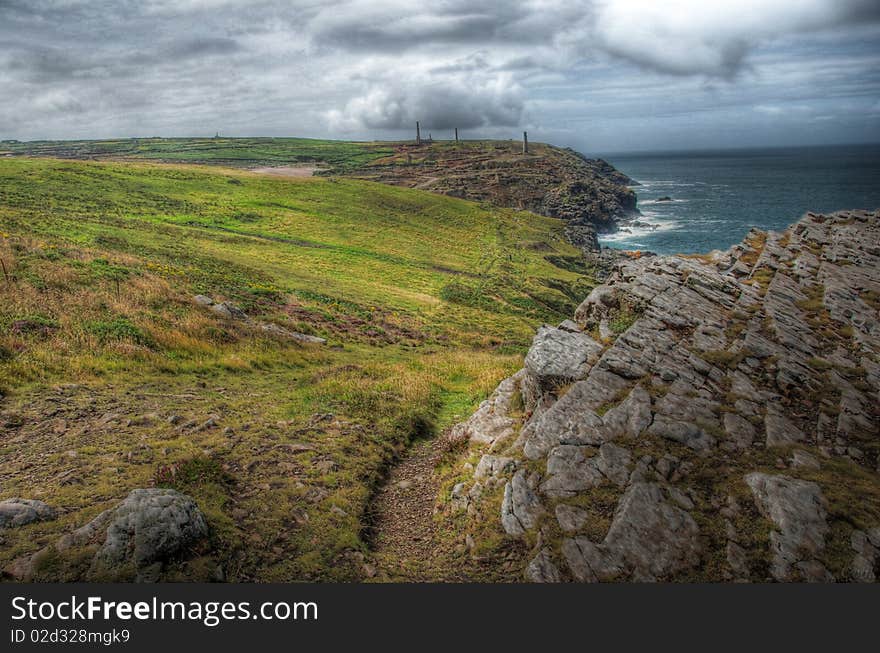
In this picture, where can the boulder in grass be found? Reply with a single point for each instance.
(18, 512)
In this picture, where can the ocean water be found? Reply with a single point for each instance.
(717, 196)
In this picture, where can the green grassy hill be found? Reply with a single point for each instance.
(115, 378)
(233, 152)
(590, 195)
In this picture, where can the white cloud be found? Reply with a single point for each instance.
(712, 38)
(572, 68)
(442, 104)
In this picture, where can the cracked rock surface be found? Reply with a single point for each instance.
(710, 417)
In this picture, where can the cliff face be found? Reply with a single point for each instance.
(589, 194)
(708, 418)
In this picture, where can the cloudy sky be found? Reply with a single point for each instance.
(599, 75)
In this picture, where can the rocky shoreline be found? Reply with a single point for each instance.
(711, 418)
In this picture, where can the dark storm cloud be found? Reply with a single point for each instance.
(38, 63)
(436, 106)
(367, 68)
(379, 26)
(203, 47)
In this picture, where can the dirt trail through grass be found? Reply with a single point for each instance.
(403, 531)
(287, 171)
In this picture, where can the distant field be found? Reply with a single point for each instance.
(233, 152)
(426, 302)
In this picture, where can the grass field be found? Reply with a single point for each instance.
(117, 379)
(232, 152)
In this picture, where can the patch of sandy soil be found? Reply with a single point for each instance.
(287, 171)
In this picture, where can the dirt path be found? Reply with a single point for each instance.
(287, 171)
(403, 535)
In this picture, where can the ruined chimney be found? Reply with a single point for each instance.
(456, 134)
(525, 142)
(418, 134)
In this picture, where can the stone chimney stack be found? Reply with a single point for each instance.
(418, 134)
(456, 134)
(525, 142)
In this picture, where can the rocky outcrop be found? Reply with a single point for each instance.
(590, 195)
(712, 417)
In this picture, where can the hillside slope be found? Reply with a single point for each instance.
(588, 194)
(702, 419)
(115, 375)
(220, 151)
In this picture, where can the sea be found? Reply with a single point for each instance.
(717, 196)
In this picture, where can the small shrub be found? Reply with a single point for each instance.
(191, 473)
(622, 321)
(118, 328)
(457, 292)
(6, 354)
(724, 359)
(102, 268)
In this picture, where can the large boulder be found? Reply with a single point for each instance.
(18, 512)
(149, 527)
(558, 356)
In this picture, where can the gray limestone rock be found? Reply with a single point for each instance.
(797, 509)
(542, 570)
(650, 539)
(521, 508)
(568, 421)
(737, 560)
(685, 433)
(597, 306)
(150, 526)
(630, 417)
(800, 458)
(229, 311)
(19, 512)
(780, 430)
(571, 518)
(491, 468)
(274, 329)
(865, 560)
(740, 432)
(559, 356)
(492, 421)
(773, 343)
(573, 469)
